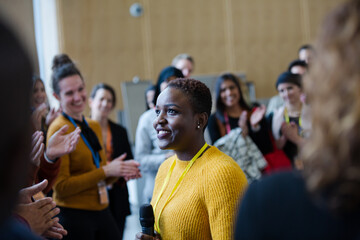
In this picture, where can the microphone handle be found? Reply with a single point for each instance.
(148, 230)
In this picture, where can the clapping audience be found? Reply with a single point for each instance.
(323, 201)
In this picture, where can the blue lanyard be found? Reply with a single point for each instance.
(96, 156)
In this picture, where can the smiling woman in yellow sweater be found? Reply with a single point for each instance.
(196, 190)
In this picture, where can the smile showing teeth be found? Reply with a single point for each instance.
(78, 104)
(163, 132)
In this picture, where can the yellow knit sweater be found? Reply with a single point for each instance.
(205, 203)
(76, 184)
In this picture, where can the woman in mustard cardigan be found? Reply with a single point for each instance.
(80, 189)
(196, 190)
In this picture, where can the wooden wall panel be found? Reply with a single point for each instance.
(267, 35)
(105, 41)
(257, 37)
(198, 30)
(317, 11)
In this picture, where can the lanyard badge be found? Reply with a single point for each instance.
(102, 190)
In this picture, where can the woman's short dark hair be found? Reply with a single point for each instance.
(106, 87)
(198, 93)
(62, 67)
(220, 106)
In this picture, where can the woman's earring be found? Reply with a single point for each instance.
(198, 126)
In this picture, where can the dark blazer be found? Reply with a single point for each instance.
(119, 195)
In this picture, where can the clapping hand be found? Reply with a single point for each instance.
(37, 115)
(57, 231)
(257, 116)
(61, 143)
(39, 214)
(243, 124)
(291, 132)
(119, 168)
(52, 115)
(37, 147)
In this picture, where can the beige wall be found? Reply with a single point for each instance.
(258, 37)
(19, 15)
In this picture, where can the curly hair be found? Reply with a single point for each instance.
(62, 67)
(197, 92)
(331, 157)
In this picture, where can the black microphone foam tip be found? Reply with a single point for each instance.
(146, 215)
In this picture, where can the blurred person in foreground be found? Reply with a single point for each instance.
(323, 202)
(15, 142)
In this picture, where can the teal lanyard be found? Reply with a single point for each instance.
(96, 156)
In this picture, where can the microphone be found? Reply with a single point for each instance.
(147, 219)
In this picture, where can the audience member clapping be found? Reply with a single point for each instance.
(322, 202)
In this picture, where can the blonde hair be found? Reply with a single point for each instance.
(332, 155)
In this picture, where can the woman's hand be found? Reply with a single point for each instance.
(37, 147)
(52, 115)
(119, 168)
(291, 132)
(25, 194)
(37, 115)
(57, 231)
(38, 214)
(243, 124)
(142, 236)
(60, 144)
(257, 116)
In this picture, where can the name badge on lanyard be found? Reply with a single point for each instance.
(102, 190)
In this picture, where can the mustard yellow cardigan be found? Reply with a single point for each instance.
(205, 203)
(76, 184)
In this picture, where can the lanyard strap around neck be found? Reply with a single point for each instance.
(157, 226)
(227, 123)
(287, 118)
(96, 156)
